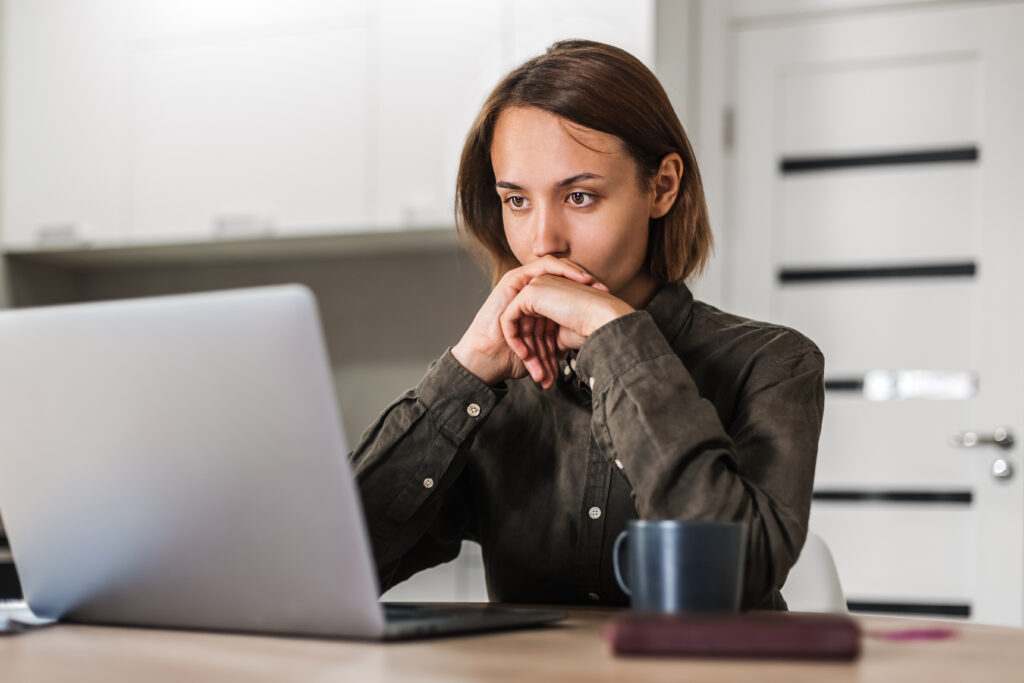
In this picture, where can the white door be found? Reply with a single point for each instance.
(879, 164)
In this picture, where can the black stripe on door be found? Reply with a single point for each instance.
(932, 609)
(845, 384)
(801, 275)
(804, 164)
(857, 496)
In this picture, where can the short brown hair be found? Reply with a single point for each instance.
(606, 89)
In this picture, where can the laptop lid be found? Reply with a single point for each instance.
(179, 461)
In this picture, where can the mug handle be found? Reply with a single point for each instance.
(615, 563)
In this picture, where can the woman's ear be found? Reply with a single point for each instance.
(666, 184)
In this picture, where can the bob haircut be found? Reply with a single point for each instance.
(606, 89)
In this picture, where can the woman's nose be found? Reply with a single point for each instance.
(549, 236)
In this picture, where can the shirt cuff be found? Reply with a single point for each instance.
(455, 398)
(619, 346)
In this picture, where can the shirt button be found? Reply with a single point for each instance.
(567, 371)
(618, 463)
(593, 596)
(428, 483)
(594, 512)
(473, 409)
(572, 363)
(591, 382)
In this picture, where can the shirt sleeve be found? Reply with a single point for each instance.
(408, 464)
(680, 460)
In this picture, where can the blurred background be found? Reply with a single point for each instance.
(863, 161)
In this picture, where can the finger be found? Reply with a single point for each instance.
(536, 370)
(535, 363)
(551, 348)
(509, 322)
(537, 345)
(544, 341)
(550, 337)
(547, 348)
(529, 328)
(549, 265)
(542, 351)
(526, 326)
(593, 278)
(524, 333)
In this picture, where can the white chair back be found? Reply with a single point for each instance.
(813, 582)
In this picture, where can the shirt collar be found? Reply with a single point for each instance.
(670, 308)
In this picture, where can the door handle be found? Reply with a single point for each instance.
(1000, 437)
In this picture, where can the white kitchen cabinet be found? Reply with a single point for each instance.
(160, 122)
(62, 147)
(156, 21)
(437, 62)
(241, 128)
(536, 24)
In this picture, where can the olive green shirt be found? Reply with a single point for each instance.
(678, 411)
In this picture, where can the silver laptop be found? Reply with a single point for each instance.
(179, 462)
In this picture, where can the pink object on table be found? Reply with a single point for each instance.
(916, 634)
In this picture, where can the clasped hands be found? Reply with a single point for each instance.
(532, 318)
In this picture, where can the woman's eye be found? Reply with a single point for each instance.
(579, 199)
(516, 201)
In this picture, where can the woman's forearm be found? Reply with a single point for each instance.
(682, 463)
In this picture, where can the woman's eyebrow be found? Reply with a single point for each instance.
(506, 185)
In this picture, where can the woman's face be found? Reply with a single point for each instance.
(574, 193)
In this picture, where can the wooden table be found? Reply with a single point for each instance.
(574, 650)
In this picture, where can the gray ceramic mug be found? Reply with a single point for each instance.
(682, 566)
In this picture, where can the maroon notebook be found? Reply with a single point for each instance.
(776, 635)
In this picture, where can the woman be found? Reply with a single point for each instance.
(578, 182)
